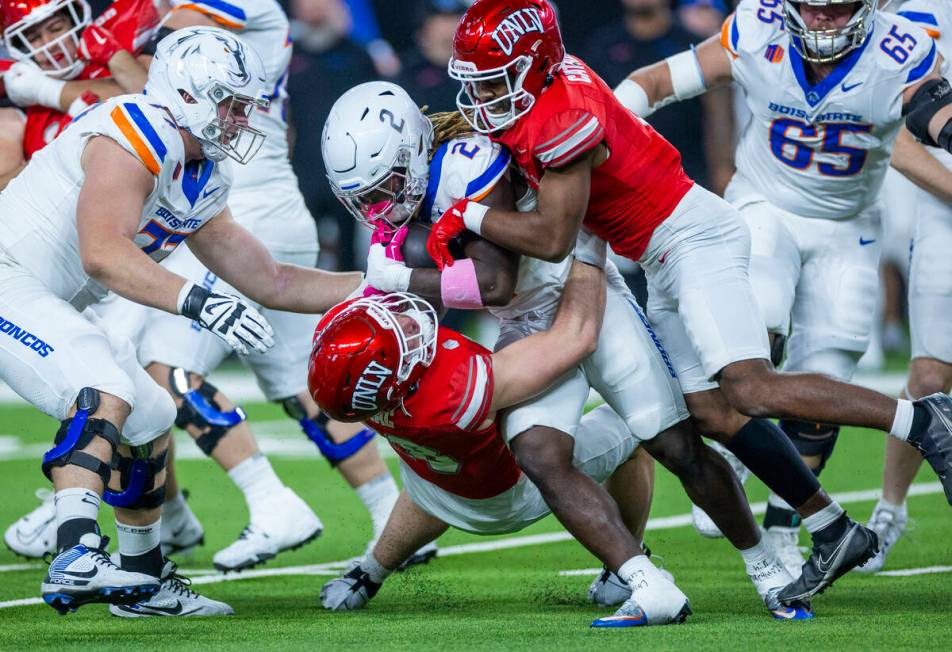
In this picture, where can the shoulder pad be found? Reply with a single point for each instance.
(225, 13)
(751, 27)
(924, 14)
(145, 130)
(567, 135)
(471, 385)
(465, 167)
(903, 48)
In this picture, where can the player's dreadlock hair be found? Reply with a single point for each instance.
(447, 125)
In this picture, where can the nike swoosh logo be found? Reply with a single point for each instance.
(208, 192)
(84, 574)
(172, 611)
(823, 565)
(663, 257)
(863, 243)
(847, 89)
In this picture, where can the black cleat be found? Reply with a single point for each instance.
(935, 442)
(829, 561)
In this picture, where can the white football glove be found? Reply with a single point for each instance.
(352, 591)
(590, 249)
(228, 317)
(27, 85)
(385, 273)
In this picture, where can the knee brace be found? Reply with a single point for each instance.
(812, 439)
(137, 478)
(777, 349)
(75, 434)
(316, 431)
(200, 409)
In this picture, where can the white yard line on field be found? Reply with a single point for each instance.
(909, 572)
(662, 523)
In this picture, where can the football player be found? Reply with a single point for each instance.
(930, 304)
(64, 62)
(594, 162)
(809, 168)
(376, 143)
(126, 183)
(435, 395)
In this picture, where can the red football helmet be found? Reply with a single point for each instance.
(516, 42)
(17, 17)
(369, 353)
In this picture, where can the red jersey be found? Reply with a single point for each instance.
(634, 190)
(441, 435)
(43, 124)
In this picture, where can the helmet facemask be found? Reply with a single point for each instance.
(413, 321)
(828, 45)
(394, 199)
(60, 53)
(228, 133)
(501, 111)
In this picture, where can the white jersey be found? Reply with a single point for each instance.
(819, 150)
(265, 199)
(469, 167)
(38, 208)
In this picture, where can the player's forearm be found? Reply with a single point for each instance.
(490, 284)
(919, 166)
(531, 233)
(305, 289)
(73, 90)
(127, 72)
(579, 318)
(120, 266)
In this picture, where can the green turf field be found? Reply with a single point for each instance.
(511, 598)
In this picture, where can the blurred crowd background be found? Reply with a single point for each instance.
(341, 43)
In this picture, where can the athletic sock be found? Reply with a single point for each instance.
(256, 479)
(779, 513)
(755, 554)
(902, 422)
(379, 495)
(76, 513)
(374, 569)
(828, 524)
(888, 506)
(770, 455)
(140, 549)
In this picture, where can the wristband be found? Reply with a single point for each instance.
(459, 287)
(473, 216)
(48, 92)
(633, 97)
(190, 300)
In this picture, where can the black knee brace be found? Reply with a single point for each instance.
(137, 477)
(777, 349)
(200, 409)
(316, 431)
(75, 434)
(812, 439)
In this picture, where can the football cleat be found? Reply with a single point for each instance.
(830, 561)
(608, 590)
(351, 591)
(785, 542)
(284, 522)
(935, 442)
(658, 599)
(174, 598)
(182, 532)
(628, 615)
(704, 524)
(84, 574)
(34, 535)
(769, 577)
(888, 524)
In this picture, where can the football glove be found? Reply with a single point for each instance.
(352, 591)
(27, 85)
(386, 269)
(228, 317)
(446, 229)
(98, 45)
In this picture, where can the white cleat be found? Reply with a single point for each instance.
(785, 542)
(282, 522)
(655, 600)
(769, 577)
(34, 535)
(888, 524)
(84, 574)
(182, 532)
(703, 523)
(608, 590)
(174, 598)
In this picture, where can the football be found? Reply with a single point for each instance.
(414, 247)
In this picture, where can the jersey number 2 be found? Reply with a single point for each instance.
(796, 149)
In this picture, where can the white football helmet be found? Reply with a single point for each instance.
(18, 17)
(376, 147)
(211, 82)
(828, 45)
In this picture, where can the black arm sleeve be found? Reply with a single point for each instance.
(933, 95)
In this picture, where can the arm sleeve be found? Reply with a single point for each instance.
(567, 136)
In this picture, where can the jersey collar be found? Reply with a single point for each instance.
(815, 94)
